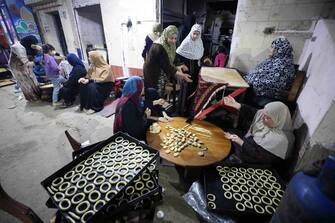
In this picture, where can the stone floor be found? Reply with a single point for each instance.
(33, 146)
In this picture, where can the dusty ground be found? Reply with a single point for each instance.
(33, 146)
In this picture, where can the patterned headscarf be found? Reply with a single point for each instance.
(131, 91)
(192, 49)
(276, 73)
(279, 139)
(163, 40)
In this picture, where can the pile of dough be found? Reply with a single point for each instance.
(155, 128)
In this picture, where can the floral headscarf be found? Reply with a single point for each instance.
(163, 40)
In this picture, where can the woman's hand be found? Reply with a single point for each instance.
(184, 68)
(162, 119)
(83, 80)
(160, 101)
(167, 117)
(230, 101)
(147, 112)
(234, 138)
(184, 76)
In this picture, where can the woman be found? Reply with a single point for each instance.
(273, 76)
(270, 136)
(189, 53)
(151, 37)
(52, 72)
(97, 85)
(158, 67)
(129, 115)
(71, 87)
(21, 67)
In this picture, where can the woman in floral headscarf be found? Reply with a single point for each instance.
(159, 65)
(275, 75)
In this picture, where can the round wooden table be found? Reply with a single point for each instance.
(211, 135)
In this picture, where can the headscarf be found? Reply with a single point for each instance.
(157, 28)
(192, 49)
(131, 91)
(279, 139)
(276, 73)
(26, 42)
(163, 40)
(99, 69)
(78, 69)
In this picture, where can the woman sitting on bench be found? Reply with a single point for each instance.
(269, 139)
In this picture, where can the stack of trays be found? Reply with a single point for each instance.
(243, 189)
(116, 174)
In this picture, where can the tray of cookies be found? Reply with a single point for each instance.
(243, 189)
(87, 185)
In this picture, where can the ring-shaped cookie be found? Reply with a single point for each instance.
(77, 198)
(110, 194)
(137, 169)
(276, 186)
(81, 183)
(87, 170)
(91, 194)
(248, 204)
(73, 215)
(263, 178)
(138, 159)
(86, 216)
(104, 158)
(91, 175)
(267, 172)
(253, 191)
(226, 187)
(50, 191)
(131, 145)
(244, 188)
(114, 179)
(64, 186)
(120, 185)
(211, 197)
(99, 180)
(146, 176)
(250, 183)
(106, 150)
(231, 174)
(228, 195)
(235, 188)
(255, 177)
(259, 209)
(239, 175)
(125, 142)
(64, 204)
(233, 180)
(266, 200)
(89, 188)
(262, 192)
(222, 173)
(70, 191)
(97, 155)
(247, 176)
(256, 199)
(128, 176)
(272, 179)
(69, 175)
(250, 170)
(125, 152)
(123, 170)
(86, 206)
(108, 173)
(96, 164)
(69, 219)
(131, 155)
(246, 196)
(272, 193)
(125, 161)
(145, 191)
(150, 184)
(134, 196)
(280, 193)
(275, 201)
(226, 168)
(240, 206)
(259, 171)
(145, 153)
(105, 187)
(211, 205)
(237, 196)
(59, 196)
(242, 169)
(79, 168)
(224, 179)
(234, 169)
(118, 158)
(139, 185)
(89, 161)
(259, 184)
(56, 182)
(101, 168)
(219, 168)
(119, 139)
(242, 181)
(130, 190)
(98, 205)
(269, 209)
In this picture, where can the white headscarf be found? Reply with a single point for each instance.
(192, 49)
(278, 140)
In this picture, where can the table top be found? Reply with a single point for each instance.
(211, 135)
(223, 75)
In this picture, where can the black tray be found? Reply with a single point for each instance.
(213, 185)
(153, 156)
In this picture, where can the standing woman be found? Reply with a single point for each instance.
(159, 65)
(189, 53)
(71, 87)
(21, 67)
(151, 37)
(97, 85)
(129, 116)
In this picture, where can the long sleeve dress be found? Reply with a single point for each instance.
(22, 71)
(158, 69)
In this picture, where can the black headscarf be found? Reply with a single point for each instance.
(26, 42)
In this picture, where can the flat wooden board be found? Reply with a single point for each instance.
(223, 75)
(212, 136)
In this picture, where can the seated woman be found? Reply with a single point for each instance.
(273, 76)
(269, 139)
(159, 64)
(70, 88)
(155, 104)
(97, 85)
(129, 115)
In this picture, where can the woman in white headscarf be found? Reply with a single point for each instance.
(270, 137)
(190, 52)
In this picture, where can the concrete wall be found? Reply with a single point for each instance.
(65, 10)
(316, 101)
(291, 18)
(125, 45)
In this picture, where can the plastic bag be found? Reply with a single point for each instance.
(196, 199)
